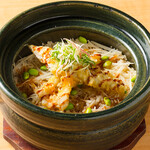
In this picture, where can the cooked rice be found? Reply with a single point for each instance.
(86, 96)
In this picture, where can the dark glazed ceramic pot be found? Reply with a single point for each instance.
(53, 130)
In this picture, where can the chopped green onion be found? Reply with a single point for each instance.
(85, 60)
(79, 85)
(70, 106)
(33, 72)
(63, 61)
(107, 64)
(107, 101)
(26, 75)
(88, 110)
(45, 108)
(44, 68)
(82, 39)
(74, 92)
(24, 95)
(133, 78)
(105, 58)
(69, 53)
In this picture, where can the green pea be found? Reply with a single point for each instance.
(88, 110)
(26, 75)
(44, 68)
(107, 64)
(107, 101)
(133, 78)
(82, 39)
(70, 106)
(125, 92)
(33, 72)
(24, 95)
(105, 58)
(74, 92)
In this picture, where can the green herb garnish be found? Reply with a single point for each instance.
(69, 54)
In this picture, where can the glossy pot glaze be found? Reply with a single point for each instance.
(53, 130)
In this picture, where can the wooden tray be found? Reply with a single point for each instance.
(20, 144)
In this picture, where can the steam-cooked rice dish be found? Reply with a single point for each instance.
(74, 76)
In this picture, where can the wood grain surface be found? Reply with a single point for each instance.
(139, 9)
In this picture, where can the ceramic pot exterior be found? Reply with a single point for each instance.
(53, 130)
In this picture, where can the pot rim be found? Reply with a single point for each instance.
(145, 90)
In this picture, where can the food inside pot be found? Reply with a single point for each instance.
(74, 76)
